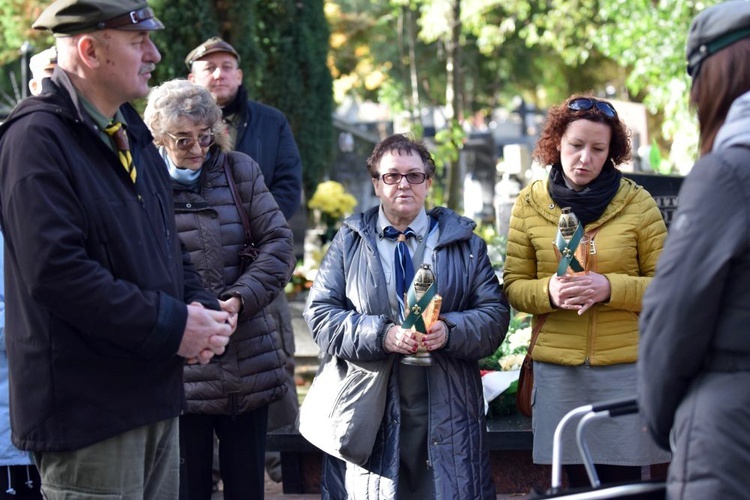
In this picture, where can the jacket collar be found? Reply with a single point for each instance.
(452, 227)
(736, 128)
(60, 99)
(537, 196)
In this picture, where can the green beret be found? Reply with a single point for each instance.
(210, 46)
(72, 17)
(715, 28)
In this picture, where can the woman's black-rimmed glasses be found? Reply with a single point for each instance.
(585, 103)
(395, 178)
(186, 143)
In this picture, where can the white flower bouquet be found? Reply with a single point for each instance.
(500, 371)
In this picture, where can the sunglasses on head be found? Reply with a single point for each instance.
(585, 103)
(186, 143)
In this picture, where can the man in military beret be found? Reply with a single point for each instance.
(103, 306)
(257, 130)
(263, 133)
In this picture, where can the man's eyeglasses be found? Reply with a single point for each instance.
(584, 104)
(395, 178)
(186, 143)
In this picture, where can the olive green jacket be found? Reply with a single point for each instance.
(630, 237)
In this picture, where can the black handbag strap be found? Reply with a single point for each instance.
(238, 204)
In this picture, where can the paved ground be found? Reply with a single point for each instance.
(274, 492)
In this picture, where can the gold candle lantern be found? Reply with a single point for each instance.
(423, 280)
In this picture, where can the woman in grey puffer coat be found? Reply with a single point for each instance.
(230, 395)
(694, 359)
(432, 440)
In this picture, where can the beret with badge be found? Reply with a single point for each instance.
(716, 28)
(73, 17)
(210, 46)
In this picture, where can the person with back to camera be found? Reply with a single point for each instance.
(263, 133)
(231, 394)
(19, 478)
(17, 466)
(432, 441)
(586, 349)
(103, 305)
(694, 364)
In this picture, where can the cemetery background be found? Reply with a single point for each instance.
(530, 58)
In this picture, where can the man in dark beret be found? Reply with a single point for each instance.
(263, 133)
(103, 306)
(257, 130)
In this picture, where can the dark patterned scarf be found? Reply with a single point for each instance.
(236, 104)
(589, 203)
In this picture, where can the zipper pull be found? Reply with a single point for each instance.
(593, 247)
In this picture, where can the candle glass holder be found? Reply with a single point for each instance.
(423, 279)
(582, 254)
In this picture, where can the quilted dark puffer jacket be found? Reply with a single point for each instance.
(251, 372)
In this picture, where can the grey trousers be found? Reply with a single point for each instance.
(142, 463)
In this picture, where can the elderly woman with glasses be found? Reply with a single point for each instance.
(431, 440)
(586, 313)
(230, 395)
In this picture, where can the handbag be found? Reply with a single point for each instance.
(344, 407)
(526, 377)
(249, 251)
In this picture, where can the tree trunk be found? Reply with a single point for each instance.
(454, 109)
(416, 114)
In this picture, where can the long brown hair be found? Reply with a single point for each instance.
(722, 78)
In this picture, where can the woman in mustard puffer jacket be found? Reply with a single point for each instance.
(587, 347)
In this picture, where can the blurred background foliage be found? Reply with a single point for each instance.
(469, 56)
